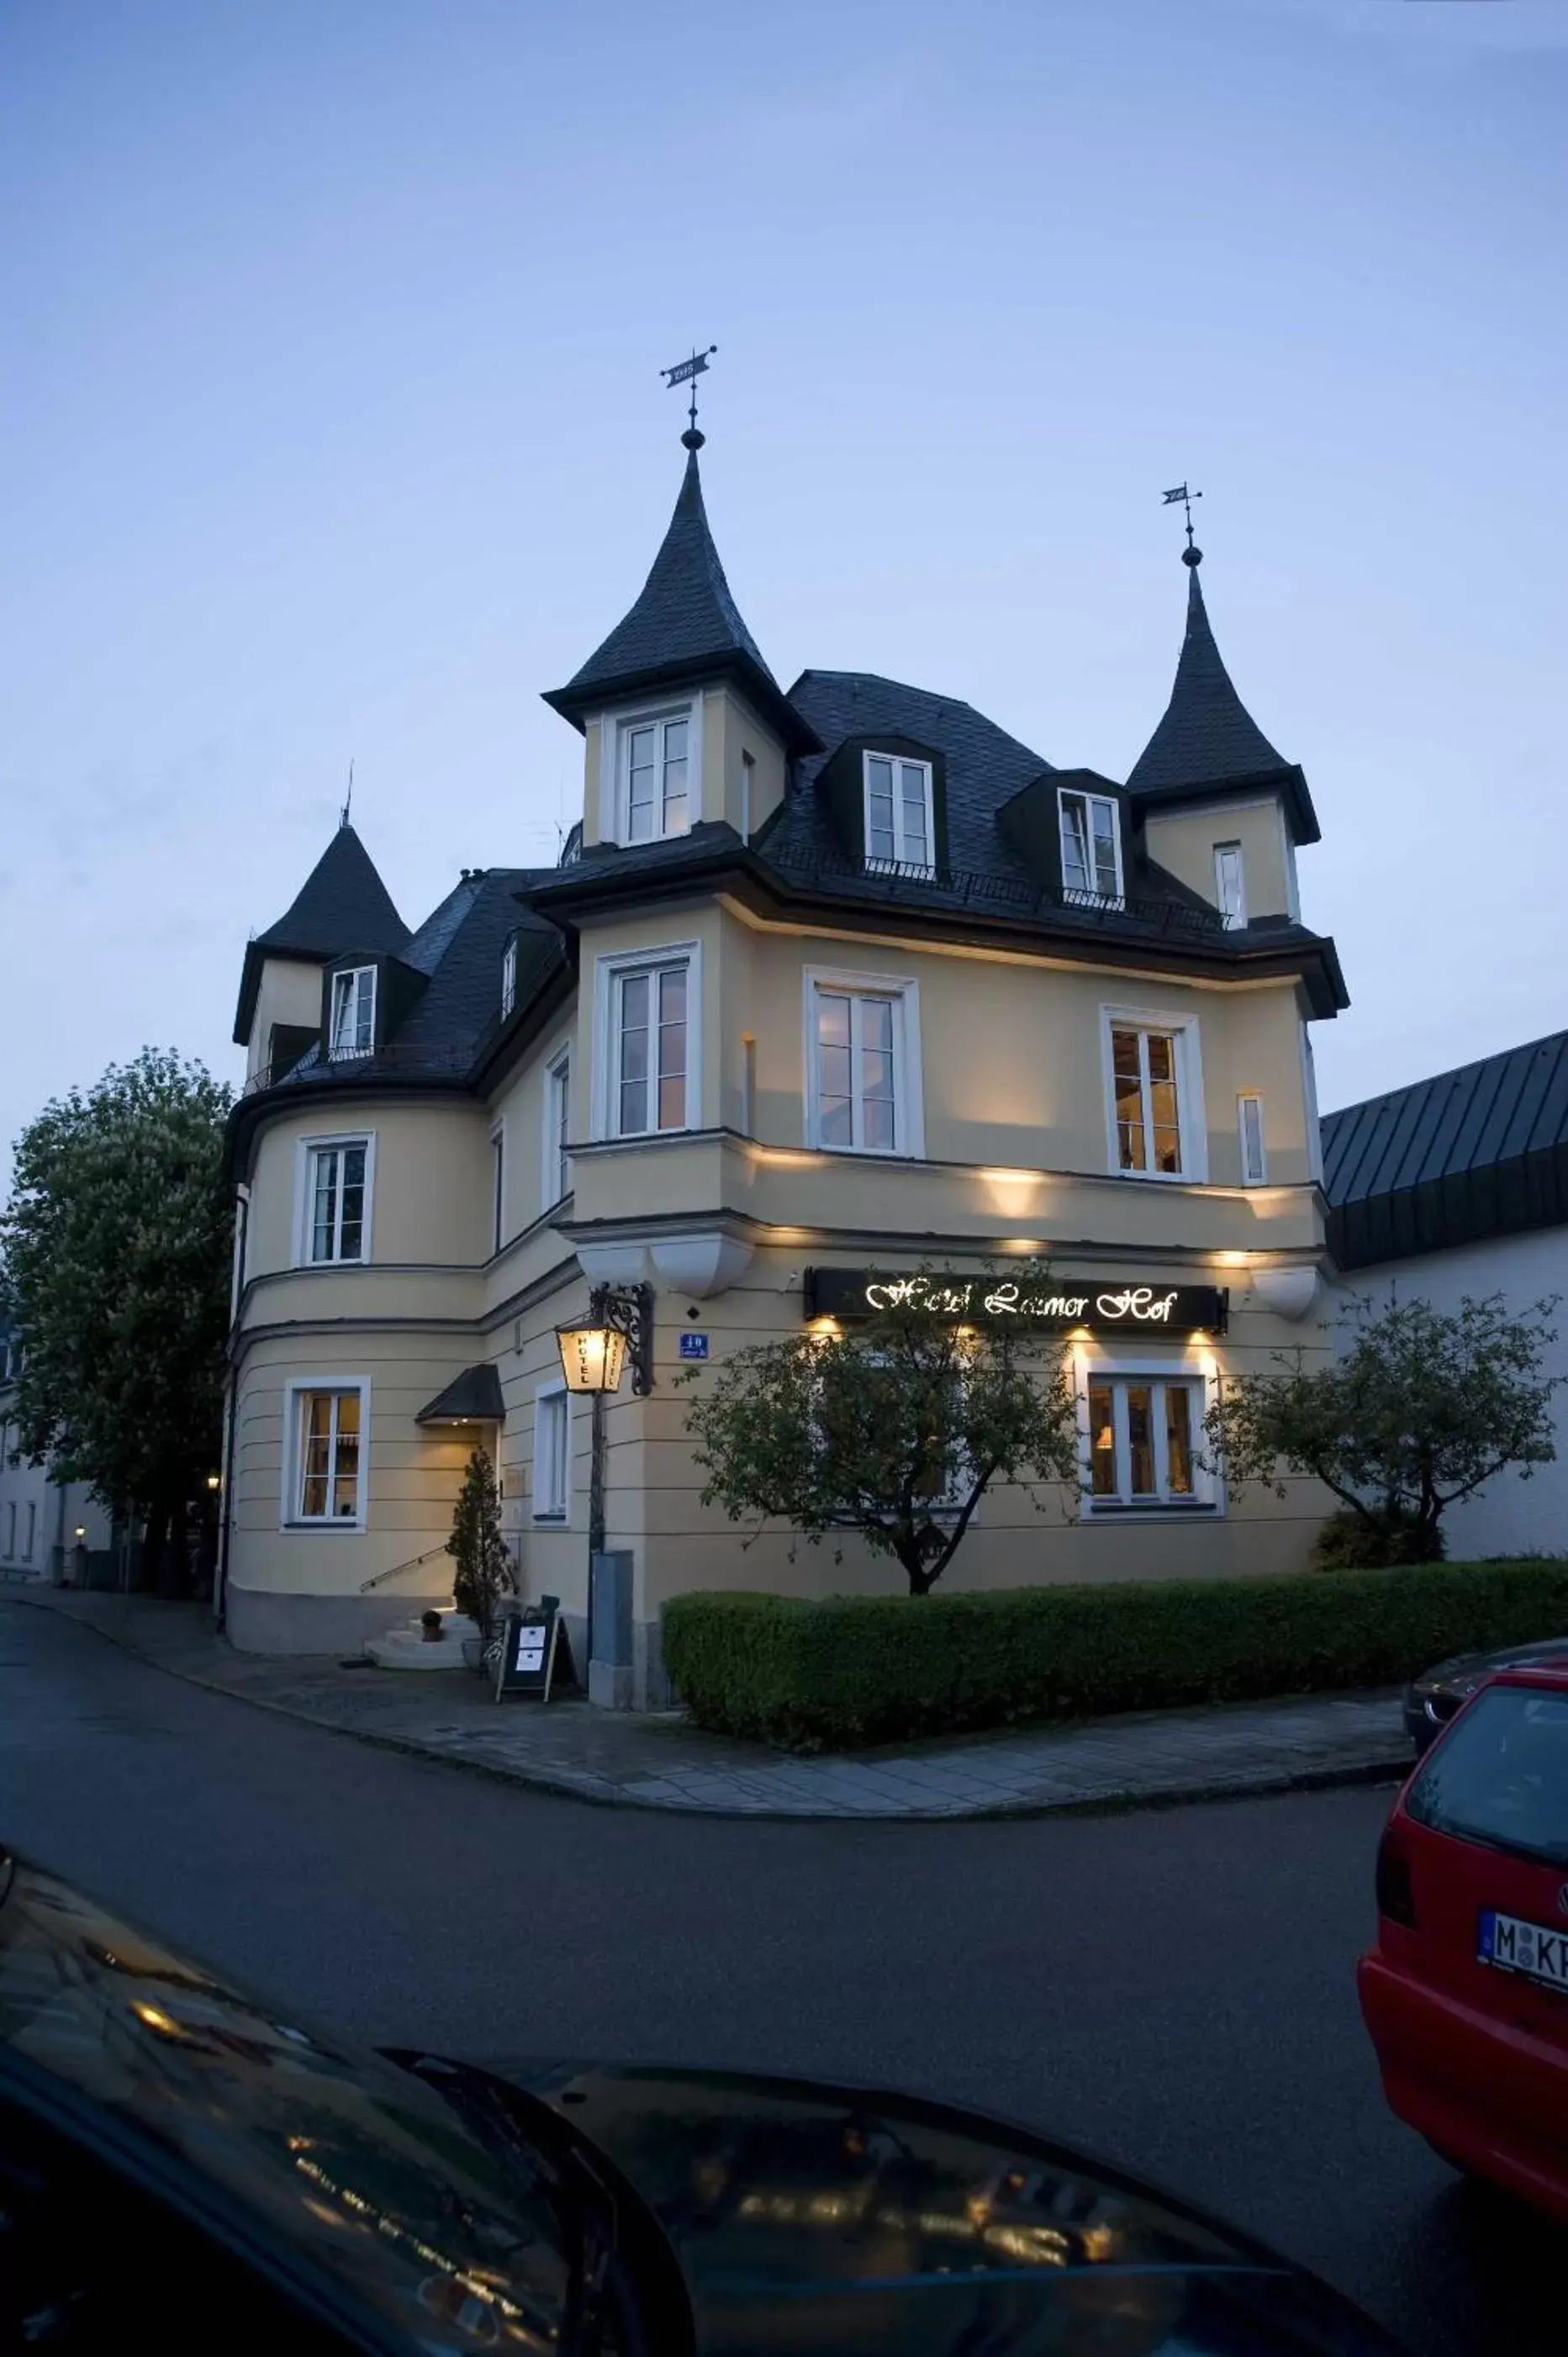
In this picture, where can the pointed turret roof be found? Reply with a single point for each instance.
(1208, 738)
(341, 905)
(685, 626)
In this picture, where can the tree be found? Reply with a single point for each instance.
(895, 1430)
(115, 1251)
(484, 1568)
(1424, 1407)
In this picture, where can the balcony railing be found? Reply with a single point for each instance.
(967, 888)
(398, 1059)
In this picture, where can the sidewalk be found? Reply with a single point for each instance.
(659, 1761)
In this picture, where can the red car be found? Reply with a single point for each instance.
(1465, 1995)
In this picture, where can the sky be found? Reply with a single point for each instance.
(331, 430)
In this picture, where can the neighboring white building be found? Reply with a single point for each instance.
(43, 1523)
(1455, 1186)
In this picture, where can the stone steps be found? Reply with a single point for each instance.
(407, 1648)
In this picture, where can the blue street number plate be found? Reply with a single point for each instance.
(1516, 1946)
(693, 1346)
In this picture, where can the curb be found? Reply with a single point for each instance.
(1127, 1802)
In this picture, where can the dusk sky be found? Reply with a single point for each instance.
(332, 429)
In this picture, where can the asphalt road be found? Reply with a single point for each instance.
(1171, 1989)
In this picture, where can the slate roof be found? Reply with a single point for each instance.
(472, 1397)
(1479, 1152)
(342, 905)
(1207, 737)
(684, 624)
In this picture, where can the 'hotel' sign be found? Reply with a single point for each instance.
(1112, 1308)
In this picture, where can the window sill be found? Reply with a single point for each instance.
(326, 1268)
(550, 1522)
(325, 1522)
(1160, 1178)
(1111, 1510)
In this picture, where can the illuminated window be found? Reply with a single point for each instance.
(328, 1454)
(650, 1036)
(1144, 1433)
(1231, 885)
(655, 781)
(337, 1201)
(900, 828)
(353, 1029)
(1144, 1068)
(1091, 846)
(863, 1093)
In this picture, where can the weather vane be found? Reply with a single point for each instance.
(687, 372)
(1191, 555)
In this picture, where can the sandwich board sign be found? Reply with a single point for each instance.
(528, 1649)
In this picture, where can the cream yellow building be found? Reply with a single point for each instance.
(830, 986)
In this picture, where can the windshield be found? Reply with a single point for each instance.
(370, 2176)
(1501, 1775)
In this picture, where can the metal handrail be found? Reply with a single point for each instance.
(412, 1564)
(967, 885)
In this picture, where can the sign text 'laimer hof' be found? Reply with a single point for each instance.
(1115, 1307)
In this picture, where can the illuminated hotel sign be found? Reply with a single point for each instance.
(1104, 1307)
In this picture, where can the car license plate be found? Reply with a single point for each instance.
(1516, 1946)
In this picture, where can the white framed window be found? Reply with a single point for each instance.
(1091, 844)
(1309, 1091)
(508, 979)
(325, 1452)
(551, 1453)
(352, 1031)
(1154, 1084)
(655, 780)
(1231, 885)
(901, 819)
(1141, 1433)
(863, 1063)
(557, 1127)
(1249, 1129)
(334, 1184)
(649, 1023)
(498, 1185)
(31, 1531)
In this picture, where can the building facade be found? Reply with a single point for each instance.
(829, 986)
(1459, 1185)
(49, 1529)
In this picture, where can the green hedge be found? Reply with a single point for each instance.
(851, 1670)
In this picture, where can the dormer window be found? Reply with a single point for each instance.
(900, 830)
(508, 979)
(353, 1030)
(1231, 885)
(655, 775)
(1091, 846)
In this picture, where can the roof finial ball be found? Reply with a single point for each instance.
(687, 372)
(1191, 553)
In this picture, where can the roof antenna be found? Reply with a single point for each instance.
(348, 799)
(687, 372)
(1190, 554)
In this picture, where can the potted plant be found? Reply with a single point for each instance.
(484, 1568)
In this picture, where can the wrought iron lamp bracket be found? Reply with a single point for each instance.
(628, 1309)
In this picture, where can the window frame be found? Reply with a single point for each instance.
(898, 864)
(305, 1151)
(1234, 916)
(10, 1530)
(1192, 1126)
(908, 1098)
(1089, 892)
(610, 972)
(1094, 1364)
(615, 780)
(545, 1394)
(296, 1389)
(356, 975)
(508, 977)
(554, 1170)
(31, 1540)
(1260, 1177)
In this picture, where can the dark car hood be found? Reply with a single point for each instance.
(824, 2218)
(1474, 1667)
